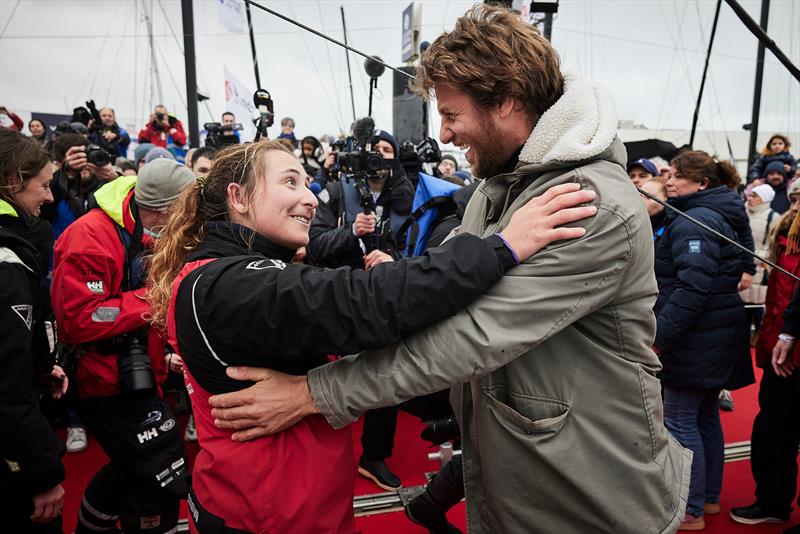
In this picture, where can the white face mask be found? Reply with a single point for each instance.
(154, 235)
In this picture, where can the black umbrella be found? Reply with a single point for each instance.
(649, 148)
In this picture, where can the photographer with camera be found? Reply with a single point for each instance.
(108, 134)
(83, 168)
(99, 302)
(229, 126)
(31, 472)
(222, 134)
(355, 225)
(166, 131)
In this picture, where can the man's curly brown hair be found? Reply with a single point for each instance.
(491, 55)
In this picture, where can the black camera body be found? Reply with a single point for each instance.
(97, 155)
(356, 158)
(220, 136)
(135, 372)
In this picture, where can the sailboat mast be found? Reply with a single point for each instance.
(153, 61)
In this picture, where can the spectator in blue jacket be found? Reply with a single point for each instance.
(702, 326)
(111, 134)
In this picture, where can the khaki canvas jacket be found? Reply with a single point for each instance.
(557, 395)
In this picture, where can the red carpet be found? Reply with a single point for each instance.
(410, 462)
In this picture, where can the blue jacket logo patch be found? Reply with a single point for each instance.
(694, 246)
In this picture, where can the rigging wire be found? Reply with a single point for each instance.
(10, 17)
(331, 107)
(336, 87)
(669, 77)
(171, 77)
(171, 30)
(709, 116)
(319, 34)
(96, 64)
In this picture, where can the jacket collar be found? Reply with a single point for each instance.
(114, 199)
(31, 238)
(581, 125)
(759, 209)
(7, 209)
(224, 239)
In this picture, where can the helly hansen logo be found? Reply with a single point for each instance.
(95, 286)
(265, 264)
(147, 435)
(25, 312)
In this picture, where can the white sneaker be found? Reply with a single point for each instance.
(76, 439)
(191, 430)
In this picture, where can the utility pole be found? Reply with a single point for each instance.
(191, 72)
(751, 152)
(705, 72)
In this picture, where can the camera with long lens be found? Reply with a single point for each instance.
(97, 155)
(135, 372)
(220, 136)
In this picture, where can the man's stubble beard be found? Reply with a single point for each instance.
(492, 149)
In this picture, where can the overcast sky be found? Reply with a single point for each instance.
(649, 54)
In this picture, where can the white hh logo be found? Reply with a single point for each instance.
(25, 312)
(95, 286)
(265, 264)
(147, 435)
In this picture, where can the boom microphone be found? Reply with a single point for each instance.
(363, 131)
(374, 68)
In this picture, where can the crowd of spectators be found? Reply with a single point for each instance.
(104, 198)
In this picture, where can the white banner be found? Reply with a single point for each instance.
(231, 15)
(239, 101)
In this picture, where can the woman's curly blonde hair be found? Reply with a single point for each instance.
(206, 200)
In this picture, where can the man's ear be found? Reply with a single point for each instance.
(508, 105)
(236, 198)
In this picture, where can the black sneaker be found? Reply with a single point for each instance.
(424, 512)
(755, 514)
(377, 471)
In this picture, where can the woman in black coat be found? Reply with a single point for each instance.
(30, 477)
(702, 326)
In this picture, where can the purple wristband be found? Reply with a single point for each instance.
(514, 254)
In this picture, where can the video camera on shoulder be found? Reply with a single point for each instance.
(220, 136)
(356, 158)
(413, 156)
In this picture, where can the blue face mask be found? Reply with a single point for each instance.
(154, 235)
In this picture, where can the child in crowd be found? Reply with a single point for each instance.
(776, 149)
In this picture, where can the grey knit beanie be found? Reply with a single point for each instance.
(160, 182)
